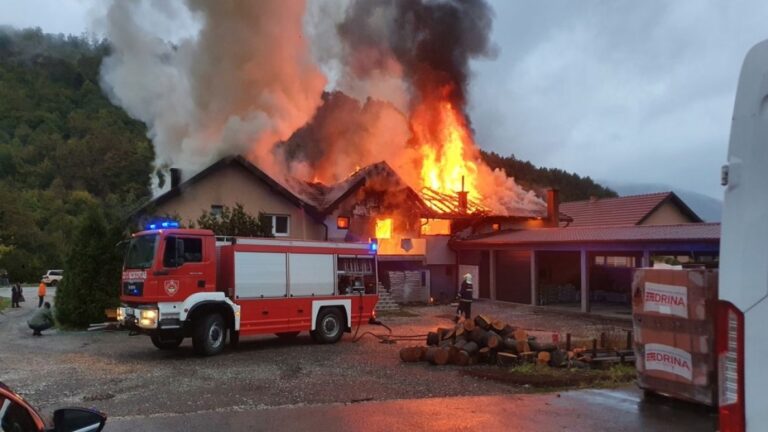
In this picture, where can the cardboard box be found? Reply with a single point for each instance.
(685, 294)
(673, 317)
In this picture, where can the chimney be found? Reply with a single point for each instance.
(553, 207)
(463, 198)
(175, 177)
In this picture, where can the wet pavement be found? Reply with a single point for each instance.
(273, 384)
(585, 410)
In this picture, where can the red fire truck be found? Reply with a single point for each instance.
(180, 283)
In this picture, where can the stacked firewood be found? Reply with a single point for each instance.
(486, 340)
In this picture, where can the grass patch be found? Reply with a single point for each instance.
(540, 377)
(4, 303)
(402, 313)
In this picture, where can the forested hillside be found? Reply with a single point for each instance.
(64, 148)
(572, 186)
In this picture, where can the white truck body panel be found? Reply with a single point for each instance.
(744, 242)
(311, 274)
(260, 274)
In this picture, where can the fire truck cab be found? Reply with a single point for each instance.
(742, 342)
(180, 283)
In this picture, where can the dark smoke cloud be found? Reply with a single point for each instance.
(433, 42)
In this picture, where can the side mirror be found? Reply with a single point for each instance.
(78, 419)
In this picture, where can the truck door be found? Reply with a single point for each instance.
(187, 267)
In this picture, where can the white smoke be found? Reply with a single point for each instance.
(236, 79)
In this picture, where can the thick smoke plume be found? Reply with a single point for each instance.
(312, 92)
(240, 79)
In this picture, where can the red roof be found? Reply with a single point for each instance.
(708, 232)
(628, 210)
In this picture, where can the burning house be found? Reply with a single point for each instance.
(414, 230)
(344, 122)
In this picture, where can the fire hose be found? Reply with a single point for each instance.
(383, 338)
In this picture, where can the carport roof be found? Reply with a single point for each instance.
(615, 234)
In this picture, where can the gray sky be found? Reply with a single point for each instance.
(623, 91)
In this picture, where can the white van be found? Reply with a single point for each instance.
(742, 340)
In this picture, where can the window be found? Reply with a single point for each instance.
(280, 224)
(342, 222)
(141, 252)
(179, 251)
(216, 210)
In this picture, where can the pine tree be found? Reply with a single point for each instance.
(92, 272)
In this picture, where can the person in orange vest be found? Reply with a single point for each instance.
(41, 294)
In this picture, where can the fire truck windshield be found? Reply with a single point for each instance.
(141, 252)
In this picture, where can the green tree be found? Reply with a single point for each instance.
(92, 272)
(235, 222)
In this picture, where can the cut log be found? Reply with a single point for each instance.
(492, 340)
(410, 354)
(460, 343)
(443, 332)
(433, 338)
(507, 331)
(549, 347)
(534, 345)
(544, 357)
(521, 335)
(437, 356)
(522, 346)
(471, 348)
(498, 325)
(423, 355)
(459, 330)
(506, 359)
(445, 343)
(510, 345)
(528, 357)
(469, 325)
(559, 357)
(452, 353)
(478, 335)
(483, 321)
(461, 358)
(484, 354)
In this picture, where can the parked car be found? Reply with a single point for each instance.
(16, 414)
(52, 277)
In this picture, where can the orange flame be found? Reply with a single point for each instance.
(443, 139)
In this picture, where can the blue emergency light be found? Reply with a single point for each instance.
(163, 224)
(374, 245)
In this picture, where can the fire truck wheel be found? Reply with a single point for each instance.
(329, 327)
(208, 336)
(166, 342)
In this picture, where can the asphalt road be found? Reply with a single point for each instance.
(586, 410)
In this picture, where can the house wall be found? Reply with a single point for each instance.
(233, 185)
(667, 214)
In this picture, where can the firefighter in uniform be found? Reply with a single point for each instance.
(465, 297)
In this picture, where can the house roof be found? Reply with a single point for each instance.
(708, 232)
(229, 161)
(628, 210)
(326, 198)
